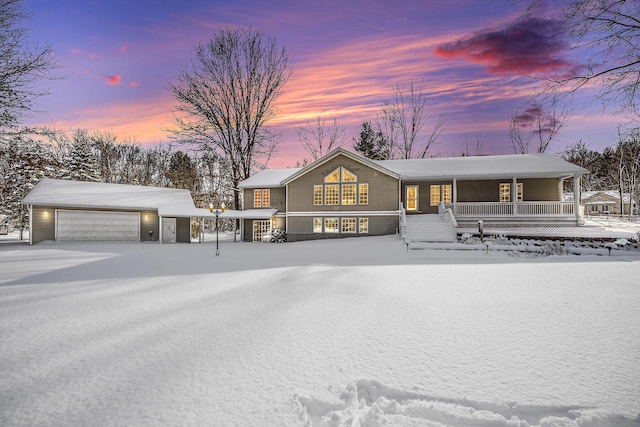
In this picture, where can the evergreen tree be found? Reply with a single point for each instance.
(80, 163)
(182, 172)
(372, 144)
(23, 162)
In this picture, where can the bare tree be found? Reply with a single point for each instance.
(628, 156)
(20, 65)
(226, 97)
(579, 154)
(478, 146)
(403, 117)
(536, 125)
(319, 139)
(605, 33)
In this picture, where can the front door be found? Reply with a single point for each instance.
(168, 230)
(412, 198)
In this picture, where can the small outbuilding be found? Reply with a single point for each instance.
(64, 210)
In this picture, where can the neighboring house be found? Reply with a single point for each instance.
(343, 194)
(63, 210)
(605, 202)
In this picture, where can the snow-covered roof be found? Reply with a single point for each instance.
(483, 167)
(585, 195)
(249, 214)
(99, 195)
(268, 178)
(465, 168)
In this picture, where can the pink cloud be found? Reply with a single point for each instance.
(124, 47)
(91, 55)
(134, 84)
(529, 46)
(113, 80)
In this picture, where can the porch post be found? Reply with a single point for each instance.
(455, 194)
(576, 197)
(160, 228)
(514, 195)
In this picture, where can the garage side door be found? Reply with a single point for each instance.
(77, 226)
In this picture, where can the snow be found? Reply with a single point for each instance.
(65, 193)
(353, 332)
(483, 167)
(474, 167)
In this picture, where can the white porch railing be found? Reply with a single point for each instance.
(489, 209)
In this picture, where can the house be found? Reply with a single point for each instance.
(64, 210)
(343, 194)
(605, 202)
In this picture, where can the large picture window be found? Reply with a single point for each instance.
(331, 194)
(341, 188)
(349, 194)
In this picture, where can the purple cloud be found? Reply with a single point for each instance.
(531, 46)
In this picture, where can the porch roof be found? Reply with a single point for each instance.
(484, 167)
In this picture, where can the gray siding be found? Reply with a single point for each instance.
(43, 223)
(301, 228)
(278, 199)
(149, 222)
(383, 189)
(183, 230)
(534, 190)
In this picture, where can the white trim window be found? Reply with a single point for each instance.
(317, 195)
(363, 225)
(348, 225)
(341, 188)
(261, 198)
(505, 192)
(331, 225)
(317, 225)
(349, 194)
(331, 194)
(364, 194)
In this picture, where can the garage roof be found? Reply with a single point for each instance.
(99, 195)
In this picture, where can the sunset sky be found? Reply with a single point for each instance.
(473, 57)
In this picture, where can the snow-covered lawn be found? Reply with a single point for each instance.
(355, 332)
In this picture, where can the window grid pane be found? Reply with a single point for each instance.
(331, 194)
(333, 176)
(435, 195)
(257, 199)
(331, 225)
(519, 191)
(446, 194)
(317, 225)
(364, 194)
(348, 194)
(364, 225)
(505, 193)
(348, 176)
(317, 195)
(348, 225)
(266, 198)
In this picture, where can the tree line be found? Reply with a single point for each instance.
(226, 96)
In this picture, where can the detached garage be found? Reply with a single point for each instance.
(75, 211)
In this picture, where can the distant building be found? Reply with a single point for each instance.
(605, 202)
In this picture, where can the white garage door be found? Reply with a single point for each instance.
(75, 226)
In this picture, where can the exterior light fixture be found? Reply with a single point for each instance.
(217, 212)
